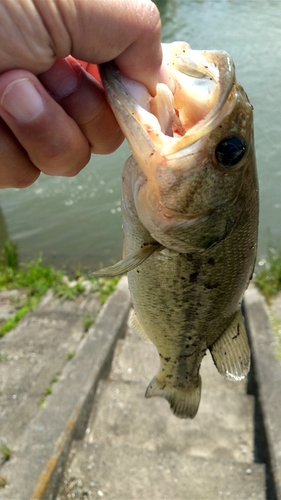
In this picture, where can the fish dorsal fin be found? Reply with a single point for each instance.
(138, 328)
(231, 352)
(129, 263)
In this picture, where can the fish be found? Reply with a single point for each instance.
(190, 209)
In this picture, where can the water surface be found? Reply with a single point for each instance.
(76, 222)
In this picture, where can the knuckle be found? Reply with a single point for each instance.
(108, 146)
(29, 177)
(67, 163)
(19, 179)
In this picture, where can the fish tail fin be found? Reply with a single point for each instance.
(184, 401)
(231, 352)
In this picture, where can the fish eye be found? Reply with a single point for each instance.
(230, 150)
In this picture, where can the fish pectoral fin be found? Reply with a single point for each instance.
(231, 352)
(128, 263)
(138, 328)
(184, 401)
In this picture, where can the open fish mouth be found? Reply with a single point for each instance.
(199, 92)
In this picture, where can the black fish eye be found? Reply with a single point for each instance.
(230, 150)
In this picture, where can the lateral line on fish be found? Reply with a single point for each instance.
(128, 263)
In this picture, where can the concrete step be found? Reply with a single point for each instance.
(223, 428)
(128, 473)
(37, 461)
(29, 365)
(136, 449)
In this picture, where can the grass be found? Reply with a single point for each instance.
(88, 321)
(276, 327)
(11, 254)
(5, 451)
(107, 287)
(268, 281)
(48, 390)
(70, 355)
(55, 378)
(36, 278)
(3, 481)
(43, 402)
(12, 322)
(46, 393)
(268, 277)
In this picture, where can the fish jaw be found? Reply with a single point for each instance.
(182, 112)
(173, 137)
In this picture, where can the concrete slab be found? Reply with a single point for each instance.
(34, 470)
(139, 474)
(29, 364)
(10, 302)
(222, 429)
(267, 373)
(135, 448)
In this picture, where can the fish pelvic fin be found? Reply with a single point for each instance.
(128, 263)
(231, 352)
(138, 328)
(184, 401)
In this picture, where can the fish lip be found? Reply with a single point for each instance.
(219, 66)
(124, 106)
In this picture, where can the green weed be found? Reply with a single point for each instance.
(276, 327)
(43, 402)
(3, 482)
(55, 378)
(48, 391)
(64, 291)
(106, 287)
(5, 451)
(88, 321)
(12, 322)
(11, 254)
(268, 277)
(70, 355)
(36, 279)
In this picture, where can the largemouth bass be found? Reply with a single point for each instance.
(190, 216)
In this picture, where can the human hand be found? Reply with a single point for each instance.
(53, 112)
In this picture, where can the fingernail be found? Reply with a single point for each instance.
(22, 101)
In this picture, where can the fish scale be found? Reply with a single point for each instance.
(173, 296)
(190, 220)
